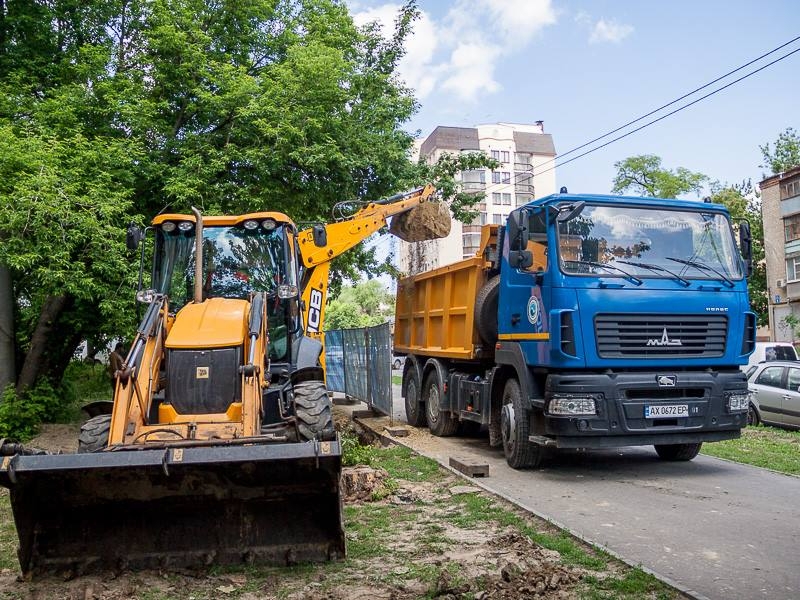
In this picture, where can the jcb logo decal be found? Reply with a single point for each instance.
(202, 372)
(314, 311)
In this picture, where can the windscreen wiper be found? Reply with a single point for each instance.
(684, 282)
(703, 267)
(632, 278)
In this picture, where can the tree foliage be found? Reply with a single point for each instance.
(786, 153)
(645, 176)
(363, 305)
(114, 111)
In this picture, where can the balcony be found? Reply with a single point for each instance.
(793, 289)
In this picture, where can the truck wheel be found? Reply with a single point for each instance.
(312, 408)
(94, 434)
(415, 412)
(486, 311)
(678, 451)
(440, 423)
(514, 425)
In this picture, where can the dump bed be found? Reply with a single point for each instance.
(435, 312)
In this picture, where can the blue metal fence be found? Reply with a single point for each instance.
(358, 363)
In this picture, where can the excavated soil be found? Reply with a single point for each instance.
(420, 552)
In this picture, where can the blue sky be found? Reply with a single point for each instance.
(585, 68)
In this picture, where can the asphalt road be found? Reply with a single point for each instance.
(720, 529)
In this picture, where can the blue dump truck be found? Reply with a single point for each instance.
(587, 321)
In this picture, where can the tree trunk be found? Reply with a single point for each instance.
(8, 374)
(40, 342)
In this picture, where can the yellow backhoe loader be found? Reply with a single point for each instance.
(220, 445)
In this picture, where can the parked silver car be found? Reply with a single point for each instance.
(775, 394)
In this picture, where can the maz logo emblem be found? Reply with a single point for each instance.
(664, 341)
(667, 380)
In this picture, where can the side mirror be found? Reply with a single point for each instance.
(746, 246)
(520, 259)
(517, 230)
(133, 237)
(320, 236)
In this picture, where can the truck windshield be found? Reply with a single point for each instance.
(236, 262)
(645, 242)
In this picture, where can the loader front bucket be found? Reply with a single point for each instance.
(427, 221)
(177, 507)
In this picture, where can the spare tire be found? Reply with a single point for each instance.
(486, 310)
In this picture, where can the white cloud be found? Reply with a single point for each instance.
(471, 70)
(609, 31)
(455, 54)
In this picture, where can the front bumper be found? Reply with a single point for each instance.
(620, 400)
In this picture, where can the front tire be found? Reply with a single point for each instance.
(520, 452)
(415, 412)
(312, 409)
(752, 416)
(94, 434)
(675, 452)
(440, 423)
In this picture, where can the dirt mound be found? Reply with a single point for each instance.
(428, 221)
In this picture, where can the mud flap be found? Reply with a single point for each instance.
(177, 507)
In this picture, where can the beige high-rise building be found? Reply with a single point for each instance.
(522, 150)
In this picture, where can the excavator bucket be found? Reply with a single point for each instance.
(428, 221)
(173, 507)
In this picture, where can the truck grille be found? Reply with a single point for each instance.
(660, 336)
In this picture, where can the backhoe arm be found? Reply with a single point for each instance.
(320, 245)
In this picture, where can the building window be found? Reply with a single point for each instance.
(790, 189)
(495, 177)
(496, 198)
(497, 219)
(504, 156)
(507, 199)
(483, 218)
(791, 228)
(522, 161)
(505, 177)
(496, 154)
(793, 268)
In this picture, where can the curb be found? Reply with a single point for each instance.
(689, 593)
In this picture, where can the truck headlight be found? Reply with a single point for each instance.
(738, 401)
(572, 405)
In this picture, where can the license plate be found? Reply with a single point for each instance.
(659, 411)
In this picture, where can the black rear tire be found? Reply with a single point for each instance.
(678, 451)
(312, 408)
(94, 434)
(415, 411)
(520, 452)
(440, 423)
(486, 311)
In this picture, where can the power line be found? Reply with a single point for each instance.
(660, 108)
(661, 118)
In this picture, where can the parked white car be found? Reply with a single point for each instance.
(768, 351)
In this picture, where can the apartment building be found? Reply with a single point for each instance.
(522, 150)
(780, 211)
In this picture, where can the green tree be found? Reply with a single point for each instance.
(114, 111)
(645, 176)
(786, 153)
(363, 305)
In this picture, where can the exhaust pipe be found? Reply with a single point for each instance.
(198, 256)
